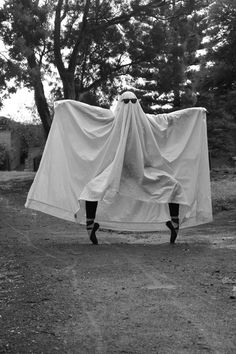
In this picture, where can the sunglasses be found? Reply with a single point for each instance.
(126, 100)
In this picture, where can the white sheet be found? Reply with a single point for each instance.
(132, 163)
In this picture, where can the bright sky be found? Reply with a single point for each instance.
(18, 105)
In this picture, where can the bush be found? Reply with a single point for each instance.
(3, 155)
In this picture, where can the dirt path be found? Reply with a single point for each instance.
(131, 294)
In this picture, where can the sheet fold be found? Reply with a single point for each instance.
(133, 163)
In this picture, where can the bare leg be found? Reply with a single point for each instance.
(173, 224)
(91, 226)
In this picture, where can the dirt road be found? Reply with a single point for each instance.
(132, 293)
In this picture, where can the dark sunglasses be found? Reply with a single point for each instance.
(126, 100)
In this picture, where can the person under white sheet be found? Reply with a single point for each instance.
(91, 206)
(125, 170)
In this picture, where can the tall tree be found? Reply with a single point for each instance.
(24, 30)
(177, 35)
(85, 43)
(217, 83)
(98, 41)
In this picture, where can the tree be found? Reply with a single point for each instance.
(8, 70)
(221, 46)
(217, 79)
(99, 42)
(85, 43)
(176, 37)
(24, 31)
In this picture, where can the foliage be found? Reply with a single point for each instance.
(223, 187)
(102, 35)
(86, 44)
(177, 36)
(97, 48)
(24, 30)
(31, 135)
(221, 47)
(217, 77)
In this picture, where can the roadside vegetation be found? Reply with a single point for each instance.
(223, 184)
(174, 54)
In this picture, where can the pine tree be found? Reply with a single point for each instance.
(85, 43)
(217, 83)
(176, 37)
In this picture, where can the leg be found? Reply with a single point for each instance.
(91, 226)
(173, 225)
(174, 212)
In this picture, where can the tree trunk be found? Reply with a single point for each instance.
(68, 75)
(68, 81)
(39, 95)
(176, 102)
(42, 107)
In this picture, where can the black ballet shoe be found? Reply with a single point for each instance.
(93, 237)
(174, 231)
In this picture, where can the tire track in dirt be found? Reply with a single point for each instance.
(93, 321)
(25, 238)
(201, 319)
(212, 342)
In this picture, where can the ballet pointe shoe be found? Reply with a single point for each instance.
(174, 230)
(92, 235)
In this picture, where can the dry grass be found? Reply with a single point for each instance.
(223, 188)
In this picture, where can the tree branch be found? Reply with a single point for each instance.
(41, 55)
(79, 41)
(66, 7)
(105, 24)
(97, 82)
(142, 9)
(57, 39)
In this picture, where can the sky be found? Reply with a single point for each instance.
(15, 107)
(18, 105)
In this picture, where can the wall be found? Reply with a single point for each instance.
(12, 143)
(5, 138)
(33, 153)
(15, 151)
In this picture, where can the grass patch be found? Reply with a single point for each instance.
(223, 187)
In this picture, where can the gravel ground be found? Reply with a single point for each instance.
(133, 293)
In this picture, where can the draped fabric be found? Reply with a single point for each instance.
(132, 163)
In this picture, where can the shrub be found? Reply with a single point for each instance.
(3, 155)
